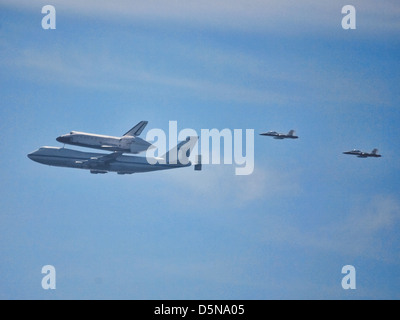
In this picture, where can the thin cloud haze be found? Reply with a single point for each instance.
(236, 14)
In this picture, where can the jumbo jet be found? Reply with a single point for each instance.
(361, 154)
(128, 143)
(280, 136)
(97, 163)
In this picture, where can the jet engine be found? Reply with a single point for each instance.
(98, 171)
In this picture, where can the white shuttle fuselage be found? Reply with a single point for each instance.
(129, 143)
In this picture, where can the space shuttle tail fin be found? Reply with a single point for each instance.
(136, 130)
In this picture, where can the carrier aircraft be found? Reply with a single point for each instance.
(99, 163)
(128, 143)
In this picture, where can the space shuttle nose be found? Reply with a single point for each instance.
(62, 139)
(32, 155)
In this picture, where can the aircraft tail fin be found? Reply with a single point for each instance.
(375, 151)
(137, 130)
(198, 165)
(291, 133)
(181, 153)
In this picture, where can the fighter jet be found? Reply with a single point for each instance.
(361, 154)
(280, 136)
(99, 163)
(128, 143)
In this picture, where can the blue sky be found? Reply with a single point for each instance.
(284, 232)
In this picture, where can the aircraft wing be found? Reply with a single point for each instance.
(137, 130)
(106, 159)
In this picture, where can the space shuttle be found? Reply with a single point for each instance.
(128, 143)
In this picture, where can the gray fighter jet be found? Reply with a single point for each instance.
(361, 154)
(280, 136)
(128, 143)
(98, 163)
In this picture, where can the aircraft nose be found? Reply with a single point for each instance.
(62, 139)
(31, 155)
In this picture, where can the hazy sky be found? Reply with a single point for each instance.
(285, 231)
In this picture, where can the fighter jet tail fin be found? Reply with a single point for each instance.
(375, 151)
(291, 133)
(137, 130)
(181, 153)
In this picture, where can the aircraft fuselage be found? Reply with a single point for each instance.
(279, 136)
(61, 157)
(361, 154)
(128, 144)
